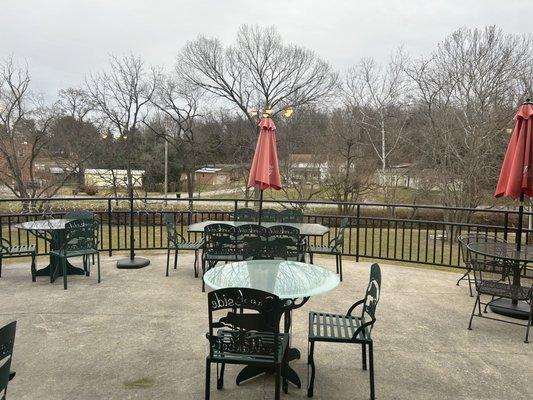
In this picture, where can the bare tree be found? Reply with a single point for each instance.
(377, 97)
(177, 102)
(121, 96)
(467, 92)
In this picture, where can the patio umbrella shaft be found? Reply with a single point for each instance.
(260, 206)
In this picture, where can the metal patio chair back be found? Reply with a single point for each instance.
(79, 214)
(245, 214)
(81, 239)
(265, 250)
(7, 341)
(290, 237)
(176, 241)
(349, 328)
(244, 329)
(291, 215)
(269, 215)
(464, 240)
(220, 246)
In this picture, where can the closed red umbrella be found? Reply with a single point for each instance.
(264, 172)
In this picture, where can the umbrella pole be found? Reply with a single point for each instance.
(519, 228)
(260, 206)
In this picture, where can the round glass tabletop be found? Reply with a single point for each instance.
(506, 251)
(43, 225)
(285, 279)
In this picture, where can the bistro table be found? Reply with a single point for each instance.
(53, 231)
(515, 259)
(289, 280)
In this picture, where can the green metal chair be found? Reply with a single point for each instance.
(176, 241)
(269, 215)
(247, 333)
(9, 251)
(291, 215)
(220, 246)
(80, 214)
(349, 328)
(245, 214)
(7, 341)
(333, 248)
(81, 240)
(290, 237)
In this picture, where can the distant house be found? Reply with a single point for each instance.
(399, 175)
(218, 175)
(112, 177)
(307, 167)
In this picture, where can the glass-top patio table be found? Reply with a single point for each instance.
(289, 280)
(515, 259)
(306, 229)
(53, 231)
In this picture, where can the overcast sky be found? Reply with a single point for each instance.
(63, 40)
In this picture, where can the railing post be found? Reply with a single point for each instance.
(235, 205)
(357, 219)
(505, 225)
(109, 227)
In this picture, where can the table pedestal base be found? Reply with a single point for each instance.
(55, 263)
(507, 308)
(253, 371)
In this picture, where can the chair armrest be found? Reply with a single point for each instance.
(362, 328)
(356, 304)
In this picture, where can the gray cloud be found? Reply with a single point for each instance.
(63, 40)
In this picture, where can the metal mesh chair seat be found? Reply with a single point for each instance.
(323, 250)
(74, 253)
(190, 245)
(224, 342)
(25, 249)
(336, 327)
(501, 289)
(221, 257)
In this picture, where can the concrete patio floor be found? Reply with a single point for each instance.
(140, 335)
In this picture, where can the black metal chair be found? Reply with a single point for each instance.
(494, 278)
(245, 214)
(80, 214)
(81, 240)
(269, 215)
(291, 215)
(220, 245)
(335, 328)
(176, 241)
(264, 250)
(247, 333)
(464, 241)
(7, 341)
(333, 248)
(290, 237)
(7, 250)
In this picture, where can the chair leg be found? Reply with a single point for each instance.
(488, 303)
(371, 364)
(207, 379)
(220, 376)
(33, 268)
(311, 367)
(98, 266)
(64, 262)
(463, 277)
(1, 266)
(472, 315)
(277, 395)
(340, 266)
(196, 263)
(470, 284)
(529, 323)
(311, 257)
(203, 274)
(363, 349)
(176, 259)
(168, 260)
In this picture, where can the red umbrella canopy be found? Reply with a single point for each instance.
(516, 175)
(264, 172)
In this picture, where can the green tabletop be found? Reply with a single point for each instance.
(286, 279)
(305, 228)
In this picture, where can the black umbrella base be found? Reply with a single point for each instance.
(507, 308)
(136, 263)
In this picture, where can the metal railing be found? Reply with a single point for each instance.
(397, 232)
